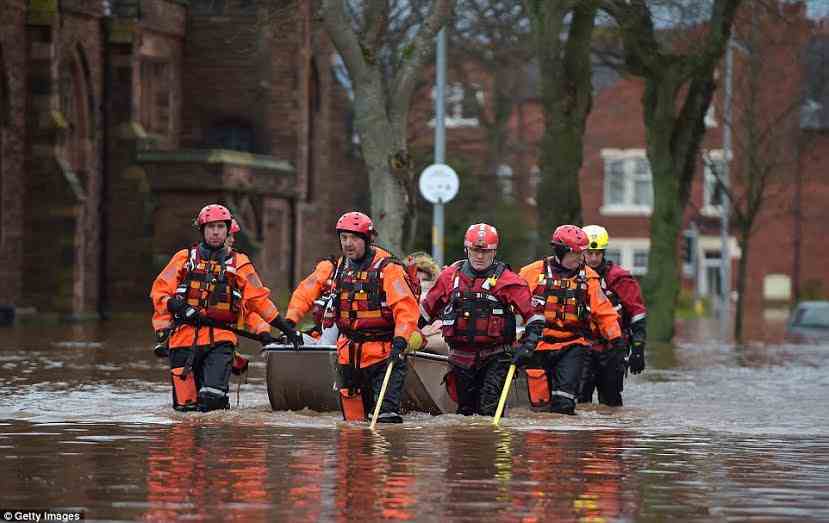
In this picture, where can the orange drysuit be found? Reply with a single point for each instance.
(309, 291)
(396, 315)
(255, 300)
(569, 323)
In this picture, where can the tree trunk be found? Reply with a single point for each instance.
(673, 146)
(383, 146)
(742, 278)
(566, 97)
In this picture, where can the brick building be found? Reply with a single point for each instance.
(119, 119)
(786, 257)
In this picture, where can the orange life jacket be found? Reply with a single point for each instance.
(321, 303)
(360, 309)
(475, 316)
(564, 302)
(211, 286)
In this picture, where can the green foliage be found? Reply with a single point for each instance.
(688, 306)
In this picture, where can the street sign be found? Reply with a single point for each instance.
(438, 183)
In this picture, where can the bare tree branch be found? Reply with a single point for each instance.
(340, 28)
(414, 56)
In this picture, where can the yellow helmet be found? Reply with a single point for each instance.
(597, 237)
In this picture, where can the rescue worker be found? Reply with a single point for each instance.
(477, 300)
(605, 367)
(200, 290)
(569, 296)
(312, 295)
(376, 313)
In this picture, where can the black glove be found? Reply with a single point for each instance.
(161, 348)
(398, 347)
(636, 360)
(266, 338)
(287, 328)
(522, 355)
(182, 310)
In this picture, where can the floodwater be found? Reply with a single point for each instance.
(710, 432)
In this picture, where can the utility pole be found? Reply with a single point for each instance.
(725, 202)
(440, 142)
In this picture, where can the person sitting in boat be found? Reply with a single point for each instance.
(426, 271)
(568, 295)
(477, 300)
(375, 311)
(200, 290)
(605, 367)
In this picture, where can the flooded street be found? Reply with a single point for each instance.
(709, 432)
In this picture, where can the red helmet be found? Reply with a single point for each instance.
(213, 213)
(234, 226)
(482, 236)
(571, 237)
(356, 222)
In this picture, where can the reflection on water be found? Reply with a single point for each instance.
(712, 432)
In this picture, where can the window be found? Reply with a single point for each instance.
(614, 255)
(207, 7)
(231, 135)
(627, 182)
(504, 177)
(714, 179)
(462, 105)
(155, 97)
(640, 261)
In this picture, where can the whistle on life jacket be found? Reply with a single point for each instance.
(184, 387)
(538, 388)
(351, 403)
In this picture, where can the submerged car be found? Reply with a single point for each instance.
(809, 321)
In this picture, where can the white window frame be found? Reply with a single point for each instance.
(627, 248)
(455, 94)
(627, 207)
(709, 181)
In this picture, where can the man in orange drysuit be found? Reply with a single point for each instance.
(376, 312)
(569, 296)
(202, 289)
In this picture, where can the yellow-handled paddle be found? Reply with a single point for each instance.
(504, 394)
(382, 394)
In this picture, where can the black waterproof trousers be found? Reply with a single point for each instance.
(479, 388)
(564, 369)
(369, 380)
(604, 370)
(211, 369)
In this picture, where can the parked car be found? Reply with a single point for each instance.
(809, 322)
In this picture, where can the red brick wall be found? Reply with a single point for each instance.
(12, 110)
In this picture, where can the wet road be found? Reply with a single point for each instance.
(710, 432)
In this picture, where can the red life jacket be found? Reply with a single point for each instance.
(211, 286)
(610, 276)
(564, 303)
(360, 309)
(475, 316)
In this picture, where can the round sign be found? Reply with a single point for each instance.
(438, 183)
